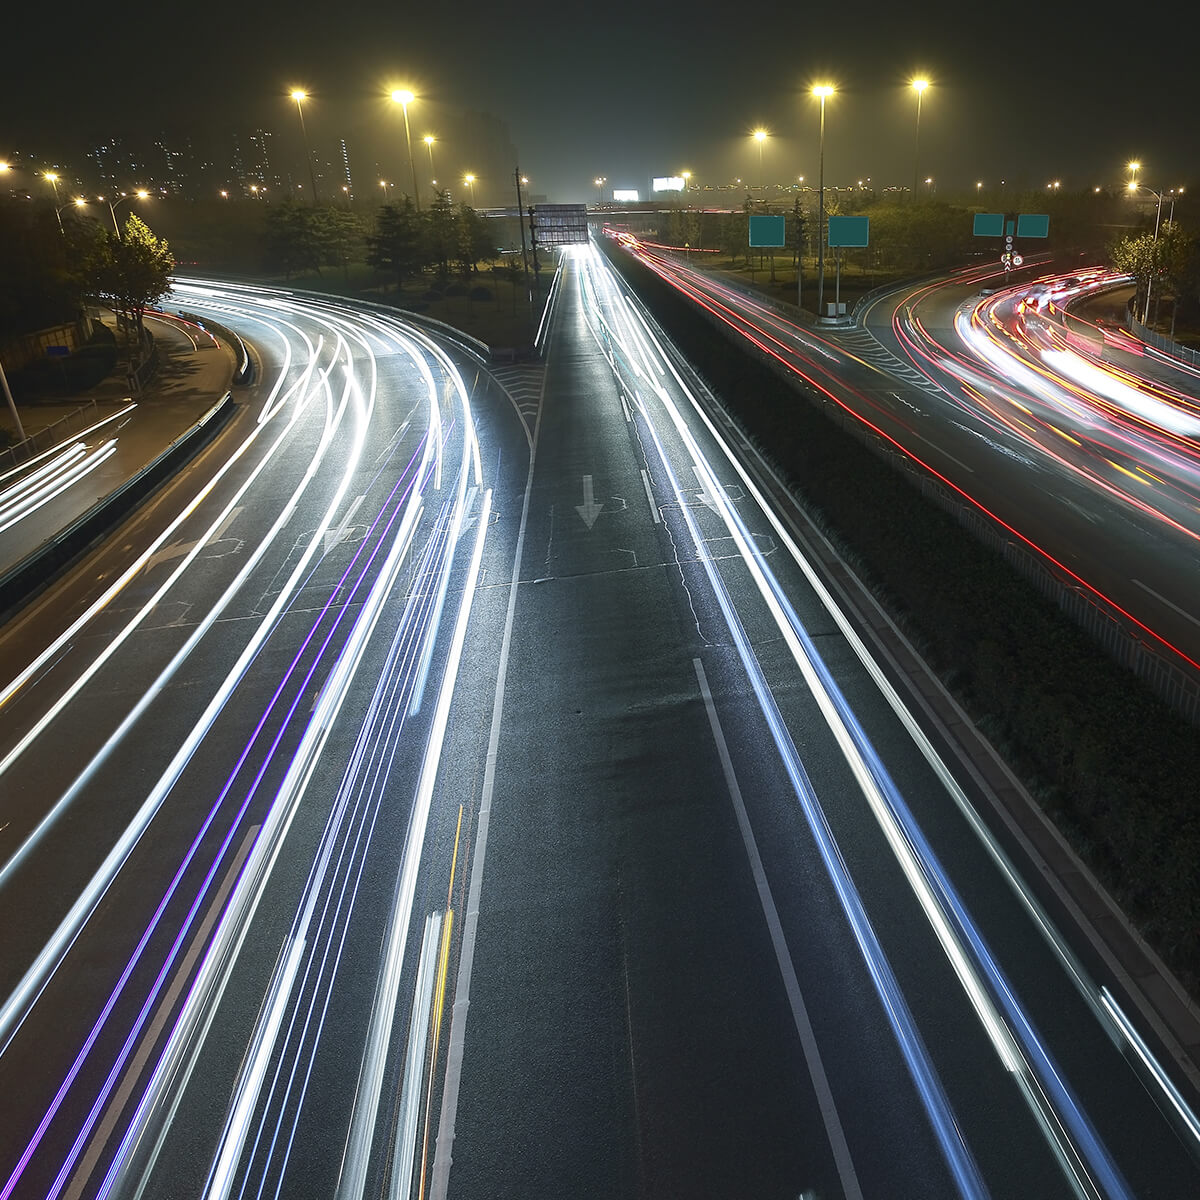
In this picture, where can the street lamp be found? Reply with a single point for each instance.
(1173, 193)
(140, 194)
(299, 97)
(760, 136)
(822, 92)
(404, 98)
(918, 86)
(429, 139)
(1134, 168)
(469, 180)
(600, 181)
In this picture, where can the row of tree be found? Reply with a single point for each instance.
(397, 239)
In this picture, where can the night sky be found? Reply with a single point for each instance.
(1025, 92)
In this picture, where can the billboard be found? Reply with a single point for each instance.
(560, 224)
(849, 231)
(625, 195)
(768, 232)
(672, 183)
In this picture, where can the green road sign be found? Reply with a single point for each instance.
(1033, 225)
(767, 232)
(849, 231)
(989, 224)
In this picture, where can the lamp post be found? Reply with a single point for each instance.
(1141, 187)
(140, 194)
(429, 139)
(822, 92)
(760, 136)
(53, 179)
(600, 181)
(469, 180)
(404, 98)
(299, 97)
(918, 86)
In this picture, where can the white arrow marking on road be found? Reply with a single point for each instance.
(332, 537)
(589, 510)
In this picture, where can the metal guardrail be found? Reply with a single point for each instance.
(22, 452)
(1159, 342)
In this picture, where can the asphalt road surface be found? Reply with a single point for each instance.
(463, 784)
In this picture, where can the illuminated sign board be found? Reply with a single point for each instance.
(625, 195)
(672, 183)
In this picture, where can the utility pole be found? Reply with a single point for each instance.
(521, 225)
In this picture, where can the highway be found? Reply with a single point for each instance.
(741, 929)
(925, 371)
(454, 790)
(236, 709)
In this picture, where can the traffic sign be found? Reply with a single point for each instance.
(1017, 260)
(1033, 225)
(768, 232)
(849, 231)
(989, 225)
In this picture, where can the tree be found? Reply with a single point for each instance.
(797, 231)
(1135, 255)
(133, 273)
(441, 222)
(474, 239)
(398, 244)
(293, 242)
(339, 236)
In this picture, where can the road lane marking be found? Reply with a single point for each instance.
(1175, 607)
(808, 1040)
(650, 497)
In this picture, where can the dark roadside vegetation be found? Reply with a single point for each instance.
(1113, 766)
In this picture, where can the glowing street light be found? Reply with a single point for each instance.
(404, 98)
(600, 181)
(124, 198)
(821, 92)
(469, 180)
(429, 139)
(1134, 168)
(299, 97)
(760, 136)
(918, 86)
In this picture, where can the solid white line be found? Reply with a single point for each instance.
(808, 1040)
(650, 497)
(400, 1182)
(1186, 615)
